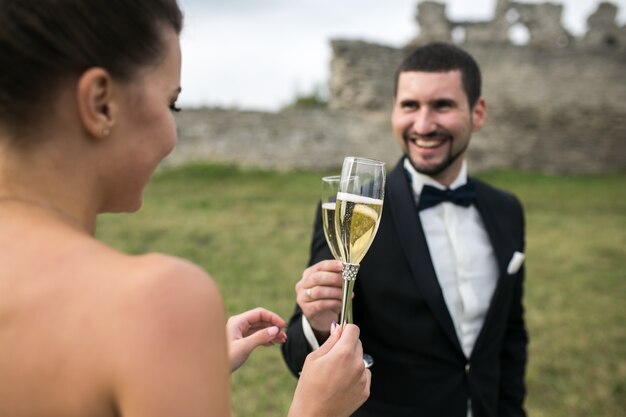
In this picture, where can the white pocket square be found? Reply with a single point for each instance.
(516, 262)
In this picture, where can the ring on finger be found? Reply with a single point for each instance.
(308, 294)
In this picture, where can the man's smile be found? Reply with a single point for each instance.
(430, 141)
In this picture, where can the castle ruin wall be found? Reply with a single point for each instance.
(555, 105)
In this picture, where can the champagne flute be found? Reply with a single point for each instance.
(358, 210)
(330, 188)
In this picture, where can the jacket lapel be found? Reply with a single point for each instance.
(411, 235)
(502, 252)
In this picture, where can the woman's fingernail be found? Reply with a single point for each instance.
(333, 328)
(273, 331)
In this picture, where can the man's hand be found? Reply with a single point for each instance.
(318, 293)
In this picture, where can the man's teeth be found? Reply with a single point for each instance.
(428, 143)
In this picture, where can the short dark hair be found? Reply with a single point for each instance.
(42, 42)
(443, 57)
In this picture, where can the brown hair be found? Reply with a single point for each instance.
(42, 42)
(443, 57)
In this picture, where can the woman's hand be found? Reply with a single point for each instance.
(334, 381)
(248, 330)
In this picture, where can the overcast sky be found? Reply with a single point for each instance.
(258, 54)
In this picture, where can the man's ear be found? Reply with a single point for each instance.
(479, 114)
(94, 96)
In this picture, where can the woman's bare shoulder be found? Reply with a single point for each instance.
(166, 329)
(129, 330)
(167, 287)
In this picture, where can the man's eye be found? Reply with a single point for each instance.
(444, 104)
(409, 104)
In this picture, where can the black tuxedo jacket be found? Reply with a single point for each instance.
(419, 366)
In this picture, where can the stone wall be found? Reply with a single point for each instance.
(301, 139)
(556, 105)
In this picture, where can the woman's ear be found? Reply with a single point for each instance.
(94, 95)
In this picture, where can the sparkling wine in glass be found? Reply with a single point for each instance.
(330, 188)
(358, 209)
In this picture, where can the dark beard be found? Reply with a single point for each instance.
(437, 169)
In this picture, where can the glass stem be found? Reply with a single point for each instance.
(349, 318)
(348, 271)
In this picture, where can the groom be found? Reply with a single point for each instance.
(439, 295)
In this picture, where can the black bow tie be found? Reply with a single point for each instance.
(431, 196)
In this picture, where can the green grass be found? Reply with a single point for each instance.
(250, 229)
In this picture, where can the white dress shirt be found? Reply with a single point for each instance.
(462, 256)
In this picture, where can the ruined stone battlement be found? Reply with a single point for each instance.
(540, 23)
(361, 73)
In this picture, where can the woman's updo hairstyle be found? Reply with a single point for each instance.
(43, 42)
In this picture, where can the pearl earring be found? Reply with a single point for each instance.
(105, 131)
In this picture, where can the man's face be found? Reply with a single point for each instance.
(432, 121)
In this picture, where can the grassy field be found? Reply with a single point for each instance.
(251, 230)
